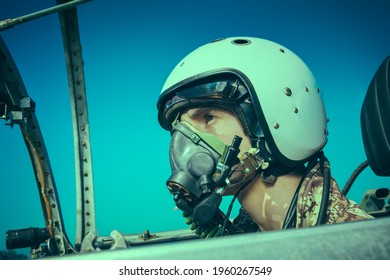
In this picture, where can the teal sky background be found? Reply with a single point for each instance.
(129, 49)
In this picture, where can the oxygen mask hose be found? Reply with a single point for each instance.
(206, 209)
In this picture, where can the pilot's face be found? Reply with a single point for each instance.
(221, 123)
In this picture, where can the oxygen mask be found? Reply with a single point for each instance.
(202, 167)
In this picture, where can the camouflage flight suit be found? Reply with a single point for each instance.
(340, 208)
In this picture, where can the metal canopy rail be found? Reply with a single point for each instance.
(85, 214)
(8, 23)
(18, 108)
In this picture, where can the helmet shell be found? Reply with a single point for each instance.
(285, 95)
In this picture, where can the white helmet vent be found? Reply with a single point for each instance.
(241, 42)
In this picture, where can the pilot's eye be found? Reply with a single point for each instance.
(209, 118)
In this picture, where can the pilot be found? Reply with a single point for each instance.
(247, 119)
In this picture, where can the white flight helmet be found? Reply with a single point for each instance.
(283, 96)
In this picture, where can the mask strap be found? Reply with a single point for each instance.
(176, 120)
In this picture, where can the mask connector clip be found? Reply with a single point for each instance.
(228, 159)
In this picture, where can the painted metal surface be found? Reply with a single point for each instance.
(362, 240)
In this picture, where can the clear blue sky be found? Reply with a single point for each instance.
(129, 48)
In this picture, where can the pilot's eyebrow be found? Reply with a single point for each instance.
(196, 112)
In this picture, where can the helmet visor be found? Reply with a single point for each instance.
(223, 93)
